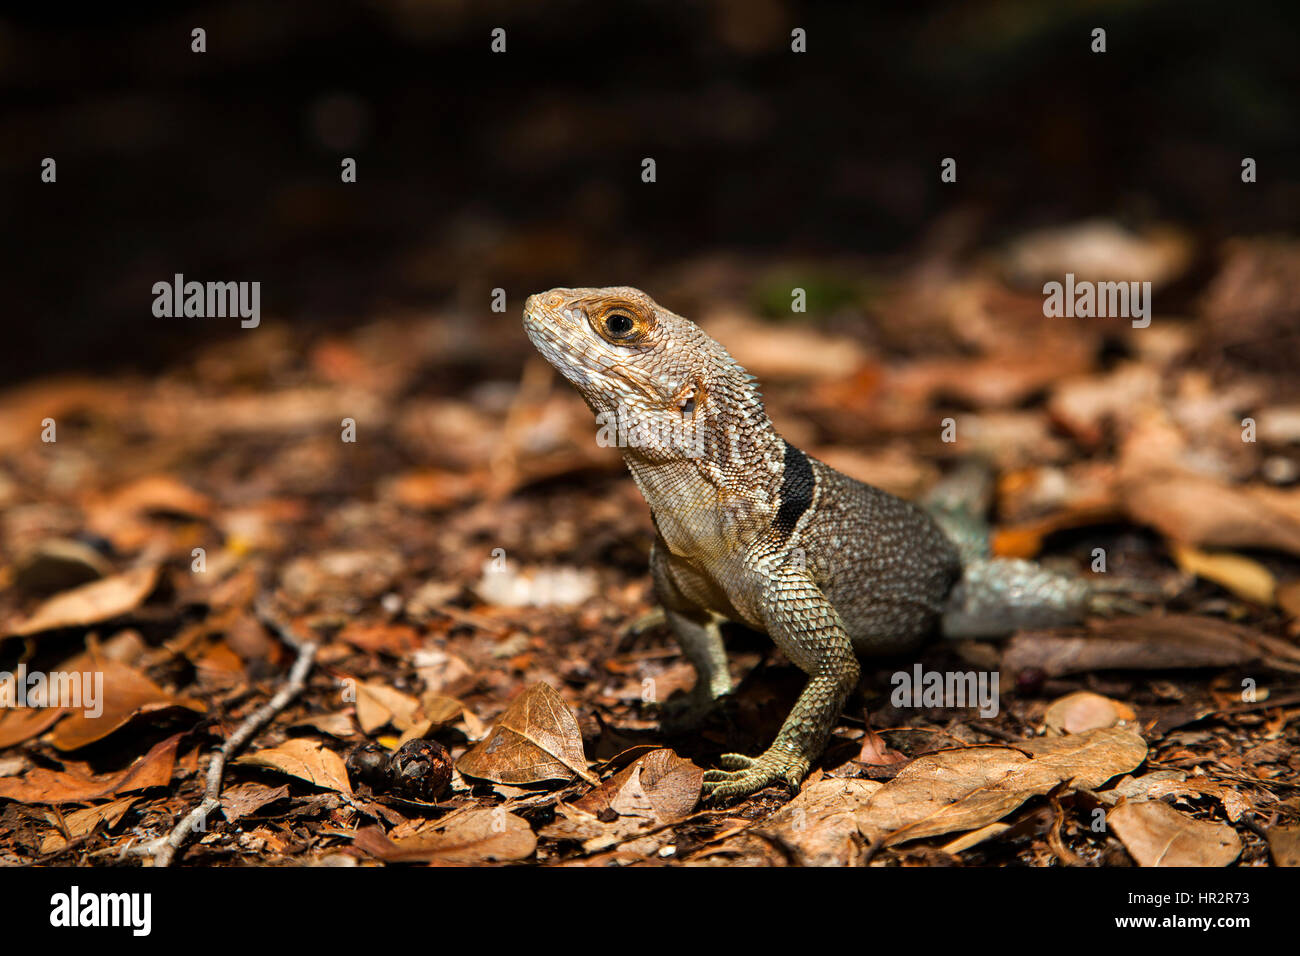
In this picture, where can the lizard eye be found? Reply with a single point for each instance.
(619, 325)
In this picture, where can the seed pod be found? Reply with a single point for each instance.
(368, 764)
(420, 769)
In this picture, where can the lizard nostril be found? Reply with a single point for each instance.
(554, 300)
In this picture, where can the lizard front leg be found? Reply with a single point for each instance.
(697, 631)
(803, 623)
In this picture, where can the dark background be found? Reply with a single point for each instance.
(522, 170)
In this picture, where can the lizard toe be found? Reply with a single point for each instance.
(748, 775)
(736, 762)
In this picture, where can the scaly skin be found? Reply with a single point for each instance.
(752, 530)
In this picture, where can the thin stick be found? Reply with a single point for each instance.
(163, 850)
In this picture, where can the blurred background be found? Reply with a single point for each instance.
(522, 170)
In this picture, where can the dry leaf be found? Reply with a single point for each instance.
(974, 838)
(160, 494)
(126, 694)
(536, 739)
(57, 564)
(40, 785)
(306, 760)
(248, 798)
(378, 705)
(82, 822)
(784, 351)
(385, 638)
(1138, 643)
(1082, 711)
(90, 603)
(1284, 845)
(1155, 834)
(822, 821)
(970, 788)
(20, 724)
(336, 724)
(1200, 511)
(1243, 577)
(876, 753)
(475, 836)
(440, 710)
(1288, 598)
(670, 785)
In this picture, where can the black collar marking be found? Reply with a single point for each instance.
(797, 486)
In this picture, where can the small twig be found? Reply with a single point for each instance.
(163, 850)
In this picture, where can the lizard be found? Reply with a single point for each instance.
(752, 530)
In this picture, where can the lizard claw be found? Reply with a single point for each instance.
(747, 775)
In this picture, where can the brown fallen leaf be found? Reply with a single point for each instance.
(476, 836)
(995, 381)
(1235, 803)
(1137, 643)
(536, 739)
(1204, 512)
(1155, 834)
(382, 637)
(23, 408)
(1099, 250)
(630, 822)
(974, 838)
(159, 494)
(1085, 404)
(431, 488)
(90, 603)
(435, 712)
(127, 693)
(41, 785)
(822, 822)
(670, 784)
(1284, 845)
(306, 760)
(1159, 784)
(1026, 540)
(82, 822)
(248, 798)
(876, 753)
(1243, 577)
(891, 469)
(1130, 787)
(1083, 711)
(784, 351)
(630, 809)
(440, 710)
(1288, 598)
(337, 724)
(379, 705)
(20, 724)
(57, 564)
(970, 788)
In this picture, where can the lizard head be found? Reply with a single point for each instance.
(630, 357)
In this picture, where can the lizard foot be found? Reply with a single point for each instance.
(743, 775)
